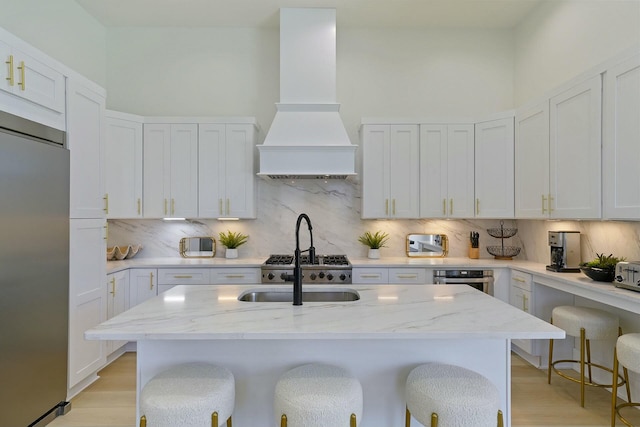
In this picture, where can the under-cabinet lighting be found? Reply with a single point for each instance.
(174, 219)
(228, 219)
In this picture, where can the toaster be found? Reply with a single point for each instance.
(628, 275)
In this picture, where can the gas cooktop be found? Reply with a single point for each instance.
(323, 269)
(332, 260)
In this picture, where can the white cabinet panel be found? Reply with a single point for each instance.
(494, 169)
(575, 151)
(85, 140)
(390, 171)
(621, 144)
(143, 283)
(408, 275)
(123, 171)
(364, 275)
(235, 275)
(460, 171)
(117, 301)
(183, 276)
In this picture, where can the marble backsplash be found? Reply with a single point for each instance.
(334, 209)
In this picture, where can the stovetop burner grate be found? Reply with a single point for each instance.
(304, 260)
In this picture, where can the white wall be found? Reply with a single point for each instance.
(61, 29)
(561, 39)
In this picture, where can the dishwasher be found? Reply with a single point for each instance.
(481, 280)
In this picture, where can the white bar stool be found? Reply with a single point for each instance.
(188, 395)
(318, 395)
(627, 354)
(588, 324)
(452, 396)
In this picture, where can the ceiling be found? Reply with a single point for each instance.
(350, 13)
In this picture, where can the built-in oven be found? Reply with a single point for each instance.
(481, 280)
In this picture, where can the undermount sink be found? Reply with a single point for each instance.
(310, 295)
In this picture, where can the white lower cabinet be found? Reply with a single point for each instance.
(410, 276)
(87, 296)
(383, 276)
(520, 296)
(117, 301)
(221, 276)
(170, 277)
(143, 285)
(366, 275)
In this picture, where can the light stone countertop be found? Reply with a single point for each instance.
(396, 311)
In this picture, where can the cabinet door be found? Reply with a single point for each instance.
(532, 162)
(521, 299)
(123, 171)
(404, 174)
(494, 169)
(370, 275)
(156, 160)
(375, 170)
(117, 302)
(38, 82)
(408, 275)
(8, 72)
(621, 144)
(143, 283)
(575, 151)
(87, 296)
(211, 140)
(85, 140)
(184, 171)
(460, 171)
(433, 171)
(239, 174)
(235, 275)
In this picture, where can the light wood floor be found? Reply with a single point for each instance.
(110, 401)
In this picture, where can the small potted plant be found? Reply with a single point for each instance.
(231, 241)
(374, 241)
(602, 268)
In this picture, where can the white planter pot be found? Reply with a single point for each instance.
(374, 253)
(231, 253)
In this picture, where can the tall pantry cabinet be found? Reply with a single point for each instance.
(88, 228)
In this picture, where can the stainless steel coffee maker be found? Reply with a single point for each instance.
(565, 251)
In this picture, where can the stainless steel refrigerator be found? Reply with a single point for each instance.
(34, 272)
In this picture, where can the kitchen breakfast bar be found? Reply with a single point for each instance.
(378, 338)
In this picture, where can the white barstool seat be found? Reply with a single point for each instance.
(588, 324)
(450, 395)
(318, 395)
(627, 354)
(188, 395)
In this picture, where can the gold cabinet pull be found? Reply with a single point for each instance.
(173, 206)
(444, 206)
(544, 199)
(386, 206)
(151, 281)
(234, 276)
(451, 206)
(477, 206)
(186, 276)
(139, 206)
(106, 203)
(407, 276)
(370, 276)
(518, 279)
(228, 206)
(106, 231)
(113, 286)
(551, 199)
(165, 206)
(22, 82)
(393, 202)
(11, 79)
(525, 306)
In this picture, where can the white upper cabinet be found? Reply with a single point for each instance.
(85, 140)
(226, 173)
(123, 172)
(390, 171)
(170, 170)
(532, 161)
(575, 145)
(446, 171)
(494, 180)
(621, 144)
(30, 85)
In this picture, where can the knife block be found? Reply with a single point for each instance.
(474, 253)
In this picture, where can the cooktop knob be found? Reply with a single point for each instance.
(270, 276)
(343, 276)
(321, 275)
(313, 276)
(330, 276)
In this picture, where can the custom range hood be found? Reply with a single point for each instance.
(307, 138)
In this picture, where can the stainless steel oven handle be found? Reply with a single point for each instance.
(452, 281)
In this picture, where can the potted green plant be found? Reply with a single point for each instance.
(602, 268)
(231, 241)
(374, 242)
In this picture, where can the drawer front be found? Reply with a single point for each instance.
(220, 276)
(183, 276)
(522, 280)
(370, 275)
(408, 275)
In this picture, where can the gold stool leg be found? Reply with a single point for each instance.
(283, 421)
(434, 420)
(624, 370)
(143, 421)
(353, 421)
(589, 359)
(500, 419)
(229, 421)
(550, 357)
(407, 417)
(614, 388)
(582, 345)
(214, 419)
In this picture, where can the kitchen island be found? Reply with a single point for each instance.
(378, 338)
